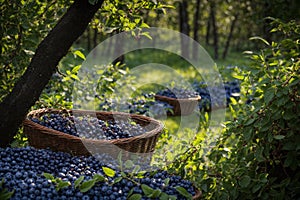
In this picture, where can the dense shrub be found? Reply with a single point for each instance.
(258, 155)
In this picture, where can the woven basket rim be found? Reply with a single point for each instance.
(158, 125)
(197, 98)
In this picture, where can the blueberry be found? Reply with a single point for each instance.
(79, 194)
(18, 175)
(85, 197)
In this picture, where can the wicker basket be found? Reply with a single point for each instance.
(42, 137)
(180, 106)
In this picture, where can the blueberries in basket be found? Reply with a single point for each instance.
(32, 184)
(149, 108)
(232, 90)
(143, 105)
(178, 93)
(91, 128)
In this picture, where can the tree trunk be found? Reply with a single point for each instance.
(88, 37)
(266, 23)
(184, 28)
(118, 48)
(111, 44)
(229, 36)
(238, 40)
(196, 28)
(95, 37)
(215, 29)
(27, 90)
(208, 30)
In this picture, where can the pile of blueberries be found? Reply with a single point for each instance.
(22, 170)
(90, 127)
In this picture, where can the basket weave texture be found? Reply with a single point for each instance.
(180, 106)
(42, 137)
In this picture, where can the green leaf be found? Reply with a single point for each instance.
(265, 80)
(74, 77)
(256, 188)
(62, 184)
(79, 54)
(48, 176)
(133, 123)
(123, 175)
(68, 72)
(120, 159)
(183, 192)
(76, 69)
(108, 79)
(269, 95)
(172, 197)
(261, 39)
(259, 154)
(294, 82)
(166, 181)
(279, 137)
(237, 76)
(144, 25)
(137, 20)
(109, 172)
(135, 197)
(5, 194)
(233, 101)
(87, 185)
(98, 178)
(155, 194)
(250, 121)
(93, 2)
(140, 174)
(136, 169)
(78, 181)
(146, 34)
(244, 181)
(122, 71)
(165, 196)
(128, 164)
(117, 180)
(67, 78)
(147, 190)
(130, 192)
(289, 114)
(282, 101)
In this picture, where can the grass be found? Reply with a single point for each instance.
(153, 60)
(157, 69)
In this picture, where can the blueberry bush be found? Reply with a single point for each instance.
(257, 155)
